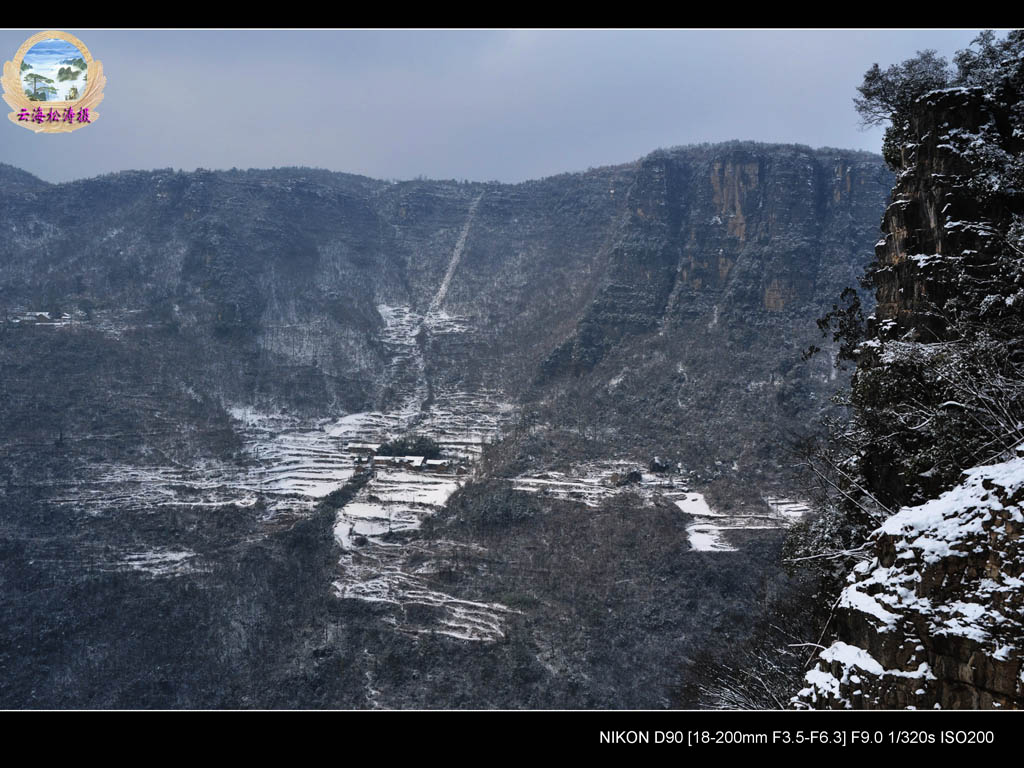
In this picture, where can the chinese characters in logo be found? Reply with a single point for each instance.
(54, 116)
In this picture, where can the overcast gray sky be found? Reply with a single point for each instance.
(480, 105)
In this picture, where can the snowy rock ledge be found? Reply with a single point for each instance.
(936, 618)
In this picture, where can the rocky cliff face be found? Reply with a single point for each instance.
(933, 616)
(727, 249)
(943, 228)
(708, 234)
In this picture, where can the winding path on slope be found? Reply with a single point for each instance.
(460, 246)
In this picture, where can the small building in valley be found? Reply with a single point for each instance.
(367, 449)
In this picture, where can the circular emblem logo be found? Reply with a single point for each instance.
(53, 84)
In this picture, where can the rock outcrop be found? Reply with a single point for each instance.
(935, 619)
(943, 228)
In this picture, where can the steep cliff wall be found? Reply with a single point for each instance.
(730, 232)
(943, 228)
(933, 617)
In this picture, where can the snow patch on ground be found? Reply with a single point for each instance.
(157, 562)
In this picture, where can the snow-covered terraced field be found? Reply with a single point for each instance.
(708, 532)
(382, 575)
(375, 567)
(593, 482)
(158, 562)
(290, 467)
(394, 500)
(590, 482)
